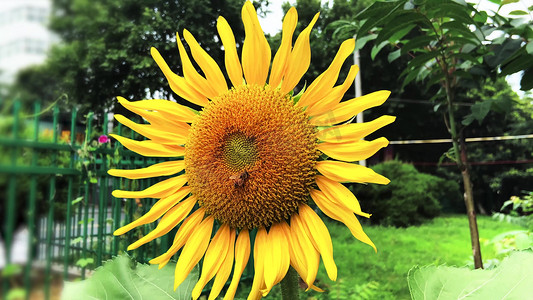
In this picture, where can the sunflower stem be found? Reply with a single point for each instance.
(290, 286)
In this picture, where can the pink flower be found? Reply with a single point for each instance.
(103, 139)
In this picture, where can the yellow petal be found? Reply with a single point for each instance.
(242, 254)
(277, 257)
(208, 65)
(217, 249)
(171, 109)
(353, 151)
(193, 251)
(339, 194)
(319, 235)
(316, 288)
(161, 169)
(338, 213)
(172, 218)
(259, 261)
(197, 81)
(299, 59)
(225, 269)
(159, 190)
(347, 172)
(322, 85)
(255, 50)
(279, 64)
(353, 131)
(181, 237)
(151, 132)
(304, 257)
(233, 65)
(159, 119)
(178, 84)
(157, 210)
(150, 148)
(347, 109)
(334, 96)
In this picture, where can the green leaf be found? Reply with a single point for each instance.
(401, 23)
(394, 55)
(481, 17)
(376, 14)
(510, 280)
(77, 200)
(422, 59)
(526, 83)
(401, 33)
(457, 28)
(478, 112)
(529, 47)
(417, 43)
(504, 2)
(16, 294)
(360, 42)
(503, 52)
(450, 10)
(518, 13)
(377, 48)
(121, 278)
(520, 63)
(11, 270)
(84, 262)
(76, 240)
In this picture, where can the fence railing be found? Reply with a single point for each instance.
(57, 213)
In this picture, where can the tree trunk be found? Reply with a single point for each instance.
(462, 162)
(470, 210)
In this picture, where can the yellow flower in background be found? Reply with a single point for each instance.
(253, 158)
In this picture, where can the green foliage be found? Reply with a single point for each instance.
(340, 290)
(447, 44)
(122, 278)
(520, 205)
(512, 279)
(411, 197)
(511, 182)
(443, 240)
(105, 49)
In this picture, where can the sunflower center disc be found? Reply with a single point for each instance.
(250, 157)
(239, 151)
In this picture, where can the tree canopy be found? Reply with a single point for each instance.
(105, 48)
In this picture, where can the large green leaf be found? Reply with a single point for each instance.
(513, 279)
(527, 80)
(121, 278)
(376, 14)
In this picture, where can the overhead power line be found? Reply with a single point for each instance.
(468, 140)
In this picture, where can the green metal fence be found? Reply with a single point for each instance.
(57, 213)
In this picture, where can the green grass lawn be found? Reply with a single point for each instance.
(444, 240)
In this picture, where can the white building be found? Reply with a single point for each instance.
(24, 36)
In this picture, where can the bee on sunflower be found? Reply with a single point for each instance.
(253, 158)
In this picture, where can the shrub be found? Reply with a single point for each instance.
(410, 199)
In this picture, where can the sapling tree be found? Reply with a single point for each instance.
(451, 46)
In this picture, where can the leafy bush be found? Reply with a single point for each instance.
(511, 183)
(409, 199)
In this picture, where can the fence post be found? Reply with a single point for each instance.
(11, 204)
(88, 132)
(68, 229)
(50, 219)
(31, 215)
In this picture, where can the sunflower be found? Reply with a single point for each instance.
(253, 158)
